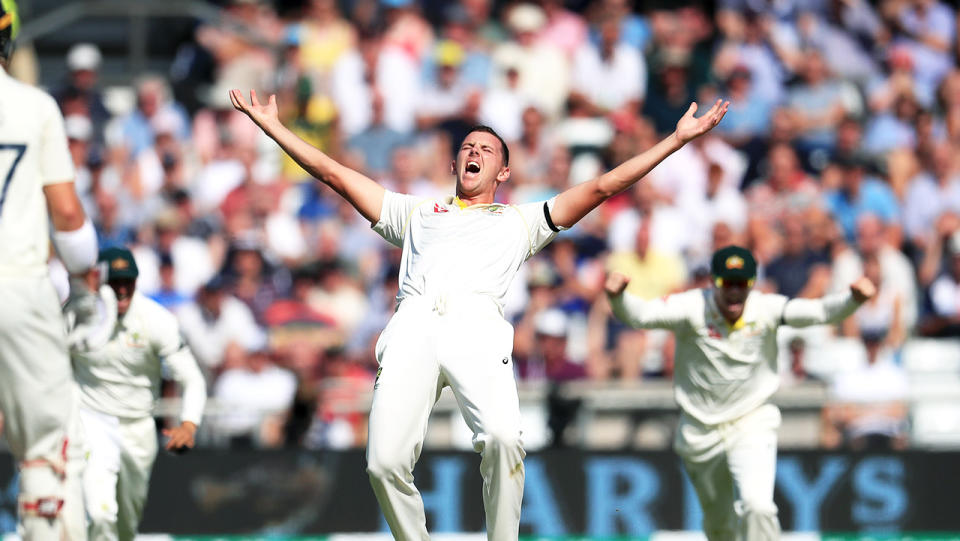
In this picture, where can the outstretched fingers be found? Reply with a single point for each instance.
(253, 98)
(236, 98)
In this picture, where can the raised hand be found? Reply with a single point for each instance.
(863, 289)
(616, 283)
(260, 114)
(689, 128)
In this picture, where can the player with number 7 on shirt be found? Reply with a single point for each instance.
(459, 255)
(725, 371)
(37, 396)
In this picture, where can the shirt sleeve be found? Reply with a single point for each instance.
(829, 309)
(670, 312)
(539, 225)
(56, 165)
(179, 360)
(395, 216)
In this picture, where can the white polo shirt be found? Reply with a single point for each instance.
(33, 154)
(451, 249)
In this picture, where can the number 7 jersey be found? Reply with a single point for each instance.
(33, 154)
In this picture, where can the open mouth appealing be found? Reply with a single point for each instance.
(472, 167)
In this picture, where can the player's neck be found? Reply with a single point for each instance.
(479, 199)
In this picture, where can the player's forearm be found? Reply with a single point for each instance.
(632, 310)
(188, 375)
(574, 203)
(361, 192)
(629, 172)
(310, 158)
(829, 309)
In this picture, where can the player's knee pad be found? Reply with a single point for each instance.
(42, 490)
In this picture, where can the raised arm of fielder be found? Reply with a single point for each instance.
(828, 309)
(574, 203)
(670, 311)
(362, 192)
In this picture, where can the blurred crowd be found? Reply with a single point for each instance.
(838, 157)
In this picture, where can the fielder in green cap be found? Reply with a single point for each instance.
(725, 371)
(118, 361)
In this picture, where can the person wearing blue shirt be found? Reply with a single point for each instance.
(860, 195)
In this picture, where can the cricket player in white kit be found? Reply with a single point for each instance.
(725, 373)
(118, 362)
(37, 395)
(459, 257)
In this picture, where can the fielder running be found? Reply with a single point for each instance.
(459, 256)
(725, 373)
(119, 359)
(37, 395)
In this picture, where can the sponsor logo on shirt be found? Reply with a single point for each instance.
(437, 209)
(496, 209)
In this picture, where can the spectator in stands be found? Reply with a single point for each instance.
(867, 409)
(542, 71)
(750, 111)
(451, 104)
(214, 321)
(376, 86)
(565, 29)
(192, 257)
(798, 271)
(251, 278)
(324, 37)
(786, 188)
(930, 193)
(927, 29)
(530, 158)
(110, 230)
(652, 273)
(820, 102)
(153, 98)
(634, 28)
(80, 93)
(610, 76)
(255, 396)
(858, 195)
(375, 144)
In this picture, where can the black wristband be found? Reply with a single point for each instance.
(546, 214)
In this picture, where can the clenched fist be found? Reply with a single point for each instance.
(863, 289)
(616, 283)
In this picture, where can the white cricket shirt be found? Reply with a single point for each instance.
(723, 371)
(122, 378)
(33, 154)
(449, 249)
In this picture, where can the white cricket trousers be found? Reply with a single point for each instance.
(39, 402)
(115, 483)
(732, 467)
(465, 343)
